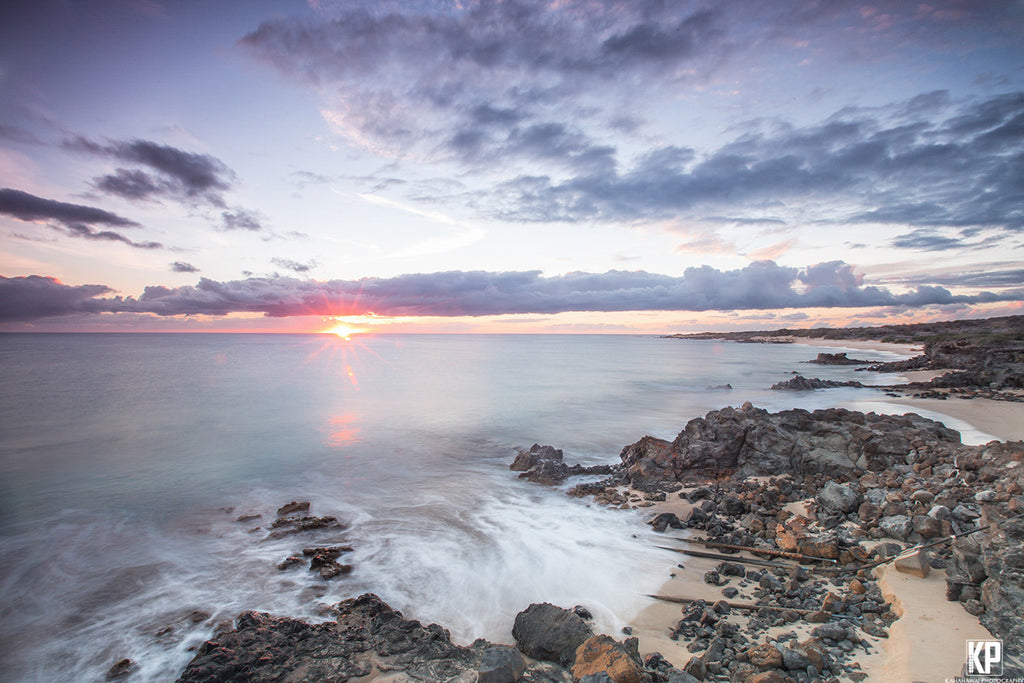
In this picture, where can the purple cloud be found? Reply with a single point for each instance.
(762, 285)
(76, 220)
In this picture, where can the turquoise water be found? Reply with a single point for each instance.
(125, 460)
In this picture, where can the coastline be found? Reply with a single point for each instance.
(859, 344)
(1002, 420)
(927, 642)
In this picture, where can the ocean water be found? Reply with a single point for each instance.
(125, 461)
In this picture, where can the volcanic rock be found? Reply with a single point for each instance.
(262, 647)
(601, 653)
(545, 631)
(839, 497)
(801, 383)
(500, 664)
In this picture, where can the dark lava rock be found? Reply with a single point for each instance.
(837, 359)
(120, 669)
(293, 508)
(551, 633)
(839, 497)
(751, 441)
(541, 464)
(286, 526)
(544, 465)
(263, 647)
(801, 383)
(325, 561)
(500, 664)
(665, 520)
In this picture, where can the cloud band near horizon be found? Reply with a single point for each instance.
(762, 285)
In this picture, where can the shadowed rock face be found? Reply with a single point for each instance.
(370, 637)
(367, 633)
(545, 631)
(544, 465)
(750, 441)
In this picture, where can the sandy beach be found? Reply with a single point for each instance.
(927, 643)
(1002, 420)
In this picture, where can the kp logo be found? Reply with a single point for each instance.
(984, 658)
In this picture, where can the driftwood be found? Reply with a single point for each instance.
(750, 607)
(728, 558)
(774, 552)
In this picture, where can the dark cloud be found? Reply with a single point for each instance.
(183, 267)
(928, 240)
(28, 207)
(762, 285)
(406, 77)
(516, 80)
(131, 184)
(294, 266)
(76, 220)
(240, 219)
(32, 297)
(179, 175)
(923, 174)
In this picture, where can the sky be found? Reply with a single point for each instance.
(626, 166)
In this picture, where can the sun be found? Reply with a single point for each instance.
(344, 331)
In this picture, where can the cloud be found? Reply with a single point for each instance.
(400, 78)
(76, 220)
(295, 266)
(761, 285)
(171, 172)
(963, 172)
(240, 219)
(540, 85)
(994, 275)
(183, 267)
(32, 297)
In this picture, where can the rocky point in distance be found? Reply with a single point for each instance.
(817, 500)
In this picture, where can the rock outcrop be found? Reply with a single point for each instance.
(368, 637)
(801, 383)
(750, 441)
(551, 633)
(545, 465)
(837, 359)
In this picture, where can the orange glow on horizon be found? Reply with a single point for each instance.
(344, 330)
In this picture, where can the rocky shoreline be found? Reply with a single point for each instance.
(781, 525)
(795, 510)
(977, 358)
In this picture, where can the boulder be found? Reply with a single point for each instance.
(500, 664)
(765, 656)
(665, 520)
(551, 633)
(917, 563)
(541, 464)
(601, 653)
(767, 677)
(896, 526)
(838, 497)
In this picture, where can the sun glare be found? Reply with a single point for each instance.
(344, 331)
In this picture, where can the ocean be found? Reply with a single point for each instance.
(126, 461)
